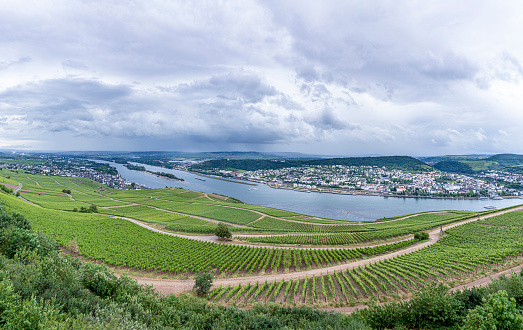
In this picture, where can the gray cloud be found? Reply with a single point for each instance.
(381, 77)
(246, 87)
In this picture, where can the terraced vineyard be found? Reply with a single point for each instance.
(363, 233)
(121, 243)
(464, 252)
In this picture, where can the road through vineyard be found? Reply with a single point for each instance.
(166, 286)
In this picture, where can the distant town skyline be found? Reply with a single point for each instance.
(330, 78)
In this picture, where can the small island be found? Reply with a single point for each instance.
(158, 174)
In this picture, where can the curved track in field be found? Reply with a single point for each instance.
(167, 286)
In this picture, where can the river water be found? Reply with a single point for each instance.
(334, 206)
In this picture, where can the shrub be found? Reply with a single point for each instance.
(203, 283)
(91, 209)
(99, 279)
(421, 236)
(19, 239)
(497, 312)
(13, 219)
(6, 189)
(222, 231)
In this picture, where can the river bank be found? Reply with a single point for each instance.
(367, 193)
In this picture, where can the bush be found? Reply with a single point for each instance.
(91, 209)
(66, 191)
(99, 279)
(512, 285)
(497, 312)
(13, 220)
(222, 231)
(421, 236)
(203, 283)
(20, 239)
(433, 307)
(6, 189)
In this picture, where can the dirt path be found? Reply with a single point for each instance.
(167, 286)
(28, 202)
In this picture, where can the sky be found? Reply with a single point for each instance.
(322, 77)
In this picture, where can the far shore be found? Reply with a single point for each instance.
(336, 192)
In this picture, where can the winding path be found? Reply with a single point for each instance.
(167, 286)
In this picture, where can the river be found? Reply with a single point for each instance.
(334, 206)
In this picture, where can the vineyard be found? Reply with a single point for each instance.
(121, 243)
(401, 228)
(465, 251)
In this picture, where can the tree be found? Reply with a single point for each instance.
(203, 283)
(222, 231)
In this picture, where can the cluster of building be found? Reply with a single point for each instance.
(111, 180)
(375, 180)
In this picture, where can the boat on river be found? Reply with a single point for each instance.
(490, 207)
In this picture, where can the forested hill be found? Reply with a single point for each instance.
(393, 162)
(454, 166)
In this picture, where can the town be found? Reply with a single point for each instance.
(75, 168)
(373, 180)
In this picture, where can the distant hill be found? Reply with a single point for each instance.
(397, 162)
(507, 162)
